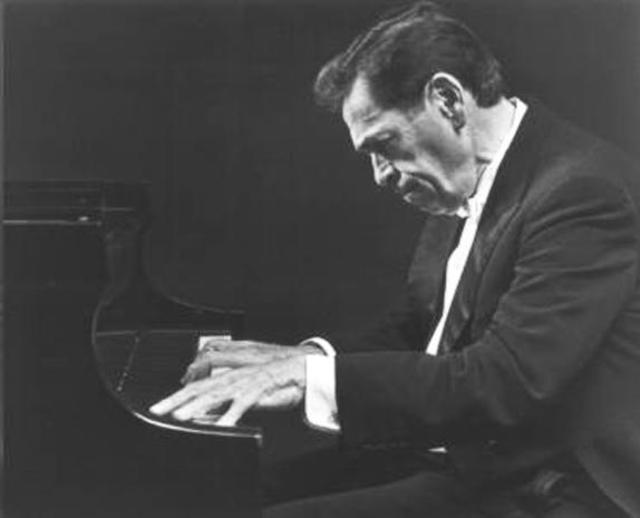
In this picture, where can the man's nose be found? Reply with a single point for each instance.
(384, 174)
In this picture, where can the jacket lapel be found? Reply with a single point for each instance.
(427, 272)
(510, 185)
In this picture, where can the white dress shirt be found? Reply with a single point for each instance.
(320, 397)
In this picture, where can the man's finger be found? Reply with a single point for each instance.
(200, 405)
(204, 365)
(197, 370)
(177, 398)
(219, 344)
(238, 408)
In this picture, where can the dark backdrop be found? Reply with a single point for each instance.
(259, 202)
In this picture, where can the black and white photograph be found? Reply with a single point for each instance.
(320, 259)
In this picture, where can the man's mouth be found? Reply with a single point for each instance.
(414, 188)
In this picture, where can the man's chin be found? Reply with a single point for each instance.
(428, 206)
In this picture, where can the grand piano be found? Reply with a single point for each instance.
(89, 345)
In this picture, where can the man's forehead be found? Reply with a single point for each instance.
(359, 111)
(359, 105)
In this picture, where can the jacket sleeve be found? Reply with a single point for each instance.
(576, 267)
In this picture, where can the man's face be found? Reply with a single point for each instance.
(416, 153)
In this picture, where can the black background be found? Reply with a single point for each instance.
(259, 201)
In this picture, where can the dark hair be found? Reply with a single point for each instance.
(400, 53)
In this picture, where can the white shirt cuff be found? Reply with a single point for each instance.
(325, 345)
(320, 407)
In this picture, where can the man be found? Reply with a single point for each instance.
(509, 370)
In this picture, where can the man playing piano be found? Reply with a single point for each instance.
(504, 384)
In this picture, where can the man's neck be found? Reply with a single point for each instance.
(490, 126)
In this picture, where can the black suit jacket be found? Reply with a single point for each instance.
(541, 350)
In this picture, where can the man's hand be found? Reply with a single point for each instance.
(218, 356)
(276, 385)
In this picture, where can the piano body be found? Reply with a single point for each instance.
(89, 345)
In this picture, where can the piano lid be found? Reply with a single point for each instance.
(73, 202)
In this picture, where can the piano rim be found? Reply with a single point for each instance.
(247, 432)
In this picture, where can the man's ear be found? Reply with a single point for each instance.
(444, 92)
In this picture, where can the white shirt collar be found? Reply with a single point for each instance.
(474, 205)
